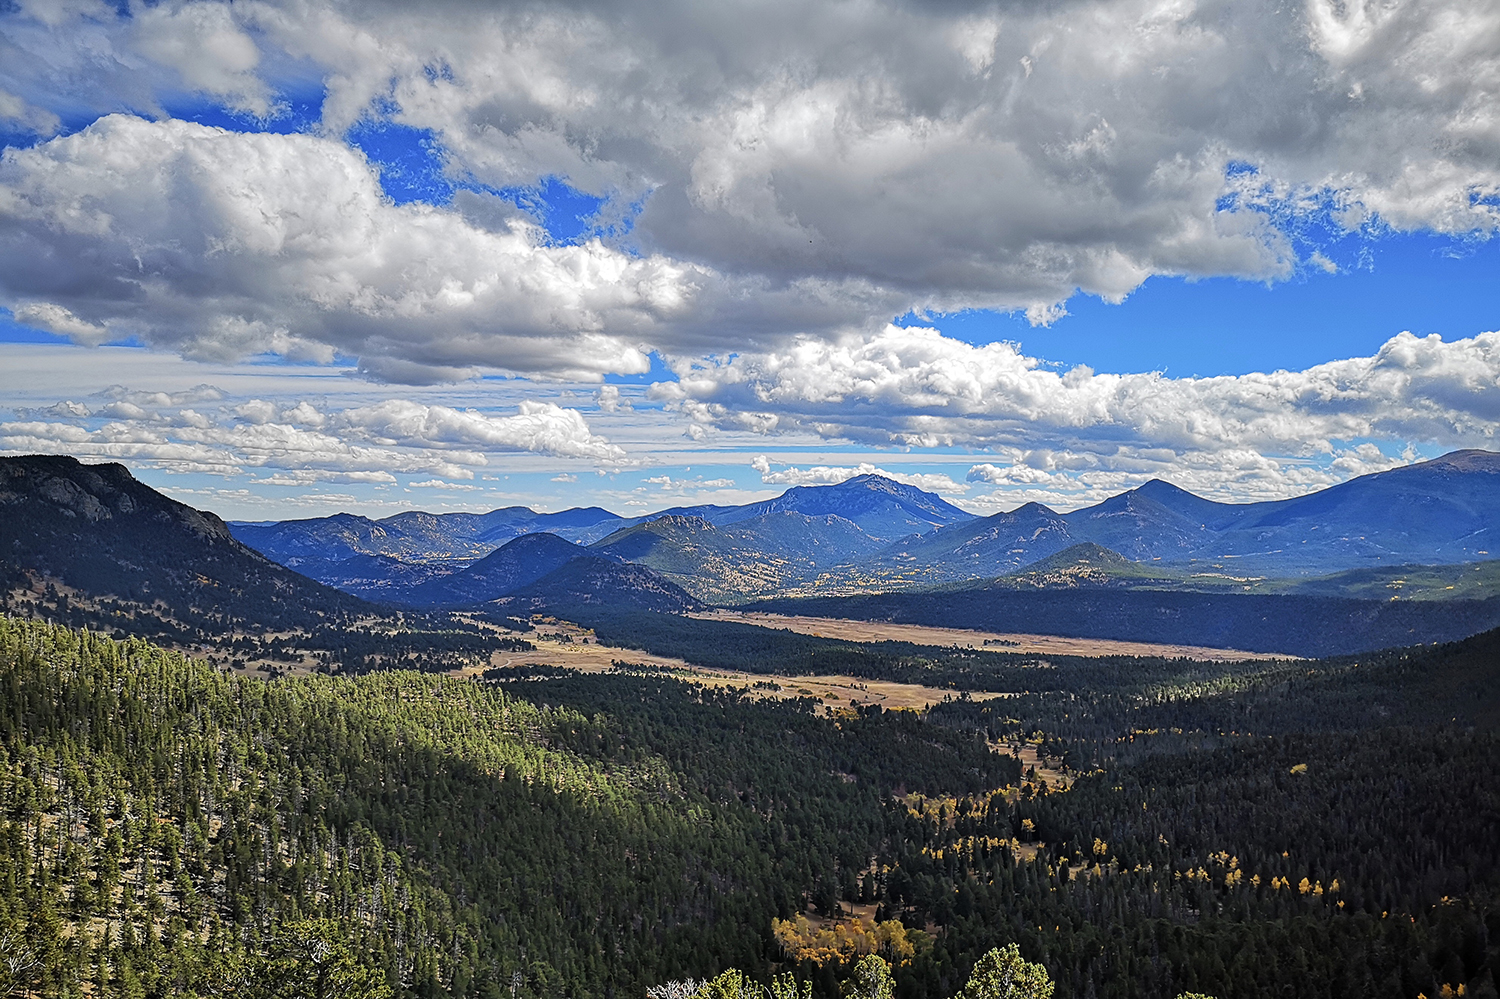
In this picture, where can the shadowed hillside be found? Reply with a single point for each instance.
(101, 533)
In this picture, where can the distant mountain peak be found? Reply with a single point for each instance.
(1467, 460)
(873, 480)
(537, 541)
(1033, 509)
(1161, 488)
(882, 507)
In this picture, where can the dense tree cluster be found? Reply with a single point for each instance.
(1238, 830)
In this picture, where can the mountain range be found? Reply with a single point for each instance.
(91, 545)
(94, 546)
(870, 533)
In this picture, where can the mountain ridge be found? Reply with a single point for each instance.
(871, 533)
(108, 536)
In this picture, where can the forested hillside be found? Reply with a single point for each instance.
(164, 824)
(1242, 830)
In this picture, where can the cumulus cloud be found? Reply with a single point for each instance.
(915, 387)
(779, 180)
(669, 484)
(799, 167)
(440, 484)
(610, 401)
(210, 51)
(542, 427)
(202, 392)
(993, 156)
(221, 244)
(300, 443)
(298, 477)
(53, 318)
(18, 113)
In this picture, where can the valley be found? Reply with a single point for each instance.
(916, 634)
(580, 762)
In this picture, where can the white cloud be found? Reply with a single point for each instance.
(802, 168)
(33, 119)
(915, 387)
(202, 392)
(67, 409)
(221, 245)
(56, 319)
(202, 42)
(610, 401)
(257, 411)
(299, 477)
(683, 486)
(1017, 154)
(302, 444)
(806, 172)
(542, 427)
(440, 484)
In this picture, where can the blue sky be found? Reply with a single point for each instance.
(1227, 326)
(482, 261)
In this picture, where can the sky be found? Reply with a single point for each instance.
(285, 258)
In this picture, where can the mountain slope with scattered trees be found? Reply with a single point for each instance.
(1319, 829)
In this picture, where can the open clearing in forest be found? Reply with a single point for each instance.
(563, 647)
(850, 630)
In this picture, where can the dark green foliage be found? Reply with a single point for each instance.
(1295, 625)
(1265, 829)
(451, 834)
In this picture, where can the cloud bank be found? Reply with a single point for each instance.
(915, 387)
(769, 170)
(300, 443)
(777, 180)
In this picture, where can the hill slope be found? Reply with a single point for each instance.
(592, 581)
(404, 810)
(106, 535)
(514, 564)
(758, 555)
